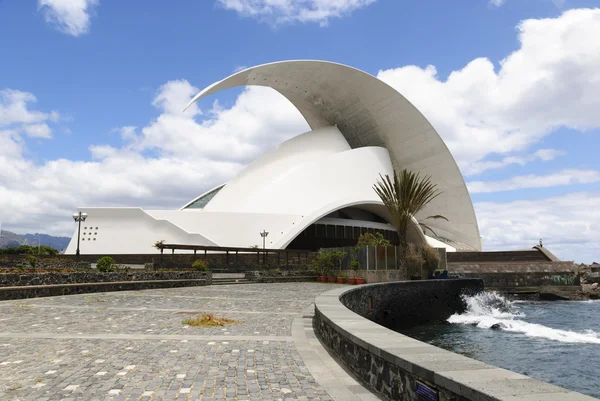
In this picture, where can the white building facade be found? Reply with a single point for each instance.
(314, 190)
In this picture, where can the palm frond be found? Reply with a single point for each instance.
(405, 196)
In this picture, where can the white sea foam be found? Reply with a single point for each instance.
(488, 309)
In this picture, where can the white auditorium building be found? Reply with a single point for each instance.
(314, 190)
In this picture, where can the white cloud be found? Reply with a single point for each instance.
(482, 166)
(569, 225)
(14, 109)
(38, 130)
(564, 177)
(189, 156)
(496, 3)
(278, 12)
(551, 81)
(69, 16)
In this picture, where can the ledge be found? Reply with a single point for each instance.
(391, 363)
(35, 291)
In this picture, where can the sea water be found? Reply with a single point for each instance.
(557, 342)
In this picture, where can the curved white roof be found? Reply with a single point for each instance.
(369, 112)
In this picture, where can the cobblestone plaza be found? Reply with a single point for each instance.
(133, 345)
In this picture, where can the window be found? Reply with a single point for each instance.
(339, 231)
(330, 231)
(320, 230)
(201, 202)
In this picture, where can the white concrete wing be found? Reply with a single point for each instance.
(368, 113)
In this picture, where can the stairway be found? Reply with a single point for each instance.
(230, 278)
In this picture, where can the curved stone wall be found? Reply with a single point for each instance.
(402, 368)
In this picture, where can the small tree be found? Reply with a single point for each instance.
(200, 265)
(31, 260)
(431, 259)
(414, 261)
(105, 264)
(368, 239)
(405, 196)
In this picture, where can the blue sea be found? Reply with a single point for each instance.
(557, 342)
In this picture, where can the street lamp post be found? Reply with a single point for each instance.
(79, 217)
(264, 237)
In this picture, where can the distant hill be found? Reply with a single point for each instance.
(9, 239)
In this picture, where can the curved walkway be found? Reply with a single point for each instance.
(133, 346)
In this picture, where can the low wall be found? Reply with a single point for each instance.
(93, 276)
(519, 274)
(398, 367)
(231, 262)
(273, 276)
(19, 286)
(377, 276)
(529, 255)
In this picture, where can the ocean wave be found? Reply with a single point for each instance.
(490, 310)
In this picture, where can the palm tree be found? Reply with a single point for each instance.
(406, 196)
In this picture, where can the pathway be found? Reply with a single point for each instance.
(133, 346)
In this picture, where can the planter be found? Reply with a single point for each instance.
(341, 280)
(360, 280)
(322, 279)
(332, 279)
(352, 281)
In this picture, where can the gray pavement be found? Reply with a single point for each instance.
(133, 346)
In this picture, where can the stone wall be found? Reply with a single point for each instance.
(377, 276)
(511, 267)
(399, 304)
(530, 255)
(35, 291)
(93, 276)
(519, 280)
(42, 262)
(280, 276)
(232, 262)
(518, 274)
(398, 367)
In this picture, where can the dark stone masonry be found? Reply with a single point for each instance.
(32, 285)
(405, 304)
(398, 367)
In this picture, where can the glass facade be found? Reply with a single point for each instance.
(201, 202)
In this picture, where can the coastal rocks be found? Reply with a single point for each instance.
(590, 280)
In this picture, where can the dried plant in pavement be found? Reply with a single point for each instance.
(208, 320)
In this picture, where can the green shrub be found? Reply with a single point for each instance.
(31, 260)
(327, 263)
(105, 264)
(355, 265)
(414, 260)
(200, 265)
(368, 239)
(431, 259)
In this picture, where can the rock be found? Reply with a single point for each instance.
(595, 287)
(498, 326)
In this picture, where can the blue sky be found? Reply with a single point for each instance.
(92, 92)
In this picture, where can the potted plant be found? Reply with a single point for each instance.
(341, 278)
(354, 265)
(360, 280)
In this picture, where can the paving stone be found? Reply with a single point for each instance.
(258, 362)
